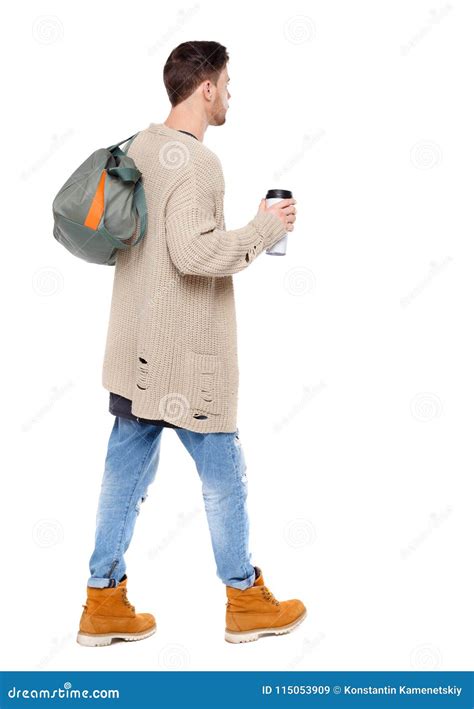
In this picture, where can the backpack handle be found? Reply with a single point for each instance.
(140, 206)
(126, 174)
(139, 202)
(116, 145)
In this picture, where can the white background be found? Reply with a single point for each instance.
(356, 349)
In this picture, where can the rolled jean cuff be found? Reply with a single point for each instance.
(97, 582)
(246, 583)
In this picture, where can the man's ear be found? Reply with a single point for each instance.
(206, 88)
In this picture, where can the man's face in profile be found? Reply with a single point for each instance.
(220, 105)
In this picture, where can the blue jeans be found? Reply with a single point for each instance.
(130, 467)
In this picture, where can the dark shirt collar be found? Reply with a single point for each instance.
(186, 131)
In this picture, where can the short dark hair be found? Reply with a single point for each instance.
(191, 63)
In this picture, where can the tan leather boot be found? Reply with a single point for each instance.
(255, 611)
(109, 614)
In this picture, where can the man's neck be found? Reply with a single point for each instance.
(185, 120)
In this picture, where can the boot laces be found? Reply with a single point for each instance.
(268, 595)
(125, 599)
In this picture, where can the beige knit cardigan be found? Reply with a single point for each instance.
(171, 345)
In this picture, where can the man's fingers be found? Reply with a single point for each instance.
(285, 203)
(285, 210)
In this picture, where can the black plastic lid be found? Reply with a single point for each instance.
(280, 194)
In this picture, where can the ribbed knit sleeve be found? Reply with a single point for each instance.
(196, 245)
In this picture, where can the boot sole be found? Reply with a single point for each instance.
(247, 636)
(92, 640)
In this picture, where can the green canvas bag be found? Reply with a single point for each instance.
(97, 209)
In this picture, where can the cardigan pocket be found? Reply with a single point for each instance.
(202, 374)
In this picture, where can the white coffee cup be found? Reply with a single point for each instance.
(273, 196)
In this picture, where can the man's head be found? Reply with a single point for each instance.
(196, 74)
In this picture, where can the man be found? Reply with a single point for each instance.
(171, 357)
